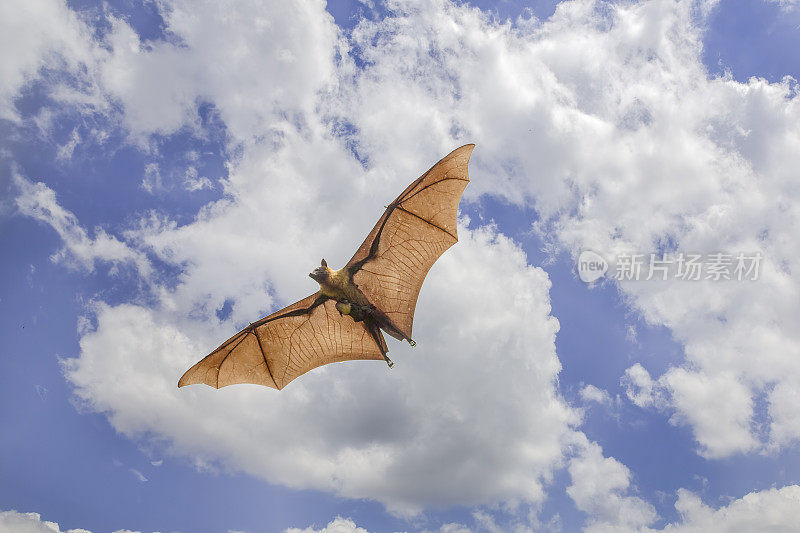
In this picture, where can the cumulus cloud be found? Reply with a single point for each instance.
(767, 510)
(600, 487)
(718, 407)
(337, 525)
(423, 434)
(699, 399)
(603, 118)
(256, 64)
(16, 522)
(44, 35)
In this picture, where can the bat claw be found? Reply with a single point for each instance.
(412, 342)
(388, 361)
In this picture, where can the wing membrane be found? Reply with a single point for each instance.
(285, 345)
(414, 231)
(389, 268)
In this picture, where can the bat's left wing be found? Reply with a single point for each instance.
(414, 231)
(287, 344)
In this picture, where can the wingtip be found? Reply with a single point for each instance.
(465, 150)
(187, 379)
(182, 383)
(461, 151)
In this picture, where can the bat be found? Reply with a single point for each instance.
(375, 292)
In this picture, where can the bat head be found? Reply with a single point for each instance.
(322, 273)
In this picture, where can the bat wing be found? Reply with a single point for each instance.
(287, 344)
(414, 231)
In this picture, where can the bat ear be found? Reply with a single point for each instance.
(324, 263)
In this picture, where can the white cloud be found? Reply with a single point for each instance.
(15, 522)
(275, 54)
(80, 251)
(320, 432)
(590, 393)
(37, 35)
(408, 437)
(767, 510)
(337, 525)
(599, 488)
(598, 481)
(785, 425)
(718, 407)
(598, 484)
(257, 64)
(602, 117)
(641, 389)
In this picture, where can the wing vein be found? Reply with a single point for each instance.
(404, 210)
(264, 355)
(219, 367)
(409, 197)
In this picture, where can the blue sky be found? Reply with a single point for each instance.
(140, 155)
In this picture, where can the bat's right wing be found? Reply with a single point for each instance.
(414, 231)
(287, 344)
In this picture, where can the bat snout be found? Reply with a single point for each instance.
(320, 274)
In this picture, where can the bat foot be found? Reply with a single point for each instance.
(412, 342)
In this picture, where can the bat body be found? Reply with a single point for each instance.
(339, 285)
(375, 292)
